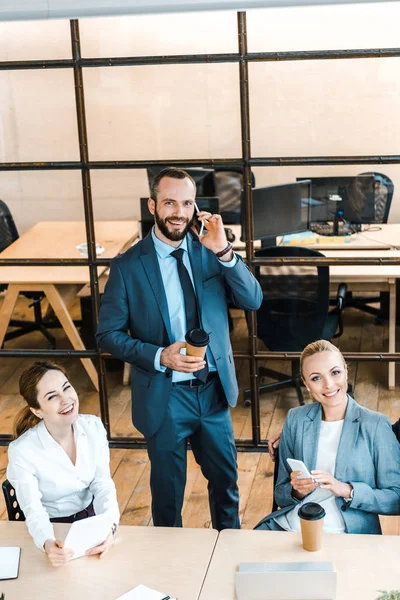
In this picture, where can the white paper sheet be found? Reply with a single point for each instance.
(9, 561)
(87, 533)
(141, 592)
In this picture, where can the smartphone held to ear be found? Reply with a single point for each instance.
(298, 465)
(197, 223)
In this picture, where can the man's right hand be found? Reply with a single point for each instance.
(173, 359)
(57, 554)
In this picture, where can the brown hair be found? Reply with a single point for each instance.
(172, 172)
(318, 346)
(28, 383)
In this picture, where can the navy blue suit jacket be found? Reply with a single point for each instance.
(134, 301)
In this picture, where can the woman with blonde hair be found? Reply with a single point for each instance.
(351, 452)
(59, 461)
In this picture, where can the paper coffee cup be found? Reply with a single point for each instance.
(197, 341)
(312, 521)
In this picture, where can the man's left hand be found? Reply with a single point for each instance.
(215, 238)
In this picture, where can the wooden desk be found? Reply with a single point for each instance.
(370, 278)
(60, 284)
(386, 238)
(364, 563)
(170, 560)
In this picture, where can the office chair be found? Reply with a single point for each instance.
(227, 184)
(294, 312)
(384, 189)
(276, 472)
(8, 235)
(14, 511)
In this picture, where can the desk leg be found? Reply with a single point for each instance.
(66, 321)
(9, 302)
(392, 331)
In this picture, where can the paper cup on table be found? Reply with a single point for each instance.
(312, 521)
(197, 341)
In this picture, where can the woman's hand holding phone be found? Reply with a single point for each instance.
(301, 479)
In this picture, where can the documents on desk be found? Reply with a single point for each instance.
(286, 581)
(141, 592)
(9, 562)
(87, 533)
(308, 238)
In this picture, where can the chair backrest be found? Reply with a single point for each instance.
(227, 184)
(276, 472)
(14, 511)
(396, 430)
(8, 230)
(384, 188)
(295, 300)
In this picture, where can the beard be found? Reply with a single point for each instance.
(174, 236)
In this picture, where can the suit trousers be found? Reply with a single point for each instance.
(201, 415)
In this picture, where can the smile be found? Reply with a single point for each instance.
(68, 410)
(331, 394)
(177, 223)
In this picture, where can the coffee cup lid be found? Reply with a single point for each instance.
(311, 511)
(197, 337)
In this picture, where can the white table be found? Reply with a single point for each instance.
(364, 563)
(171, 560)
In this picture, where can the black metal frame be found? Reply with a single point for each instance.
(246, 162)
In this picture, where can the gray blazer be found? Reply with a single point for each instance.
(134, 300)
(368, 457)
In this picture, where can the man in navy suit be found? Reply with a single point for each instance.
(171, 401)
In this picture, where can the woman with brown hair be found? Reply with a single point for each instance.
(351, 453)
(59, 461)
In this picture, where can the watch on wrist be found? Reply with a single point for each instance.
(348, 500)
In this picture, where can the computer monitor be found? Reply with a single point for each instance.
(198, 175)
(350, 199)
(280, 210)
(147, 220)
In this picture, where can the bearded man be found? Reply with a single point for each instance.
(159, 289)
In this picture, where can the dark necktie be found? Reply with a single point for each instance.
(191, 308)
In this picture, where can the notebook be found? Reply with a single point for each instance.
(9, 561)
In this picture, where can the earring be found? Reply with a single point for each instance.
(308, 389)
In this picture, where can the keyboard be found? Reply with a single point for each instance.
(327, 229)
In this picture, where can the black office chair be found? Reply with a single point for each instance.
(384, 189)
(276, 472)
(294, 312)
(227, 183)
(14, 511)
(396, 430)
(8, 235)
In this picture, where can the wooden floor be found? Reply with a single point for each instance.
(130, 468)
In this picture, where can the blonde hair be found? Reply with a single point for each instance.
(318, 346)
(28, 383)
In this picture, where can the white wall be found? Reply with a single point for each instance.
(299, 108)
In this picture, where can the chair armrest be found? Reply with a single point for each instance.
(341, 295)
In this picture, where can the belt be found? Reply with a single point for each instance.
(82, 514)
(196, 382)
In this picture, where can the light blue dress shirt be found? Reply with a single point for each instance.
(175, 300)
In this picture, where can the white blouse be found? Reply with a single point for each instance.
(328, 445)
(49, 485)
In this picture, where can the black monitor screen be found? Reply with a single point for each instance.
(280, 210)
(352, 198)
